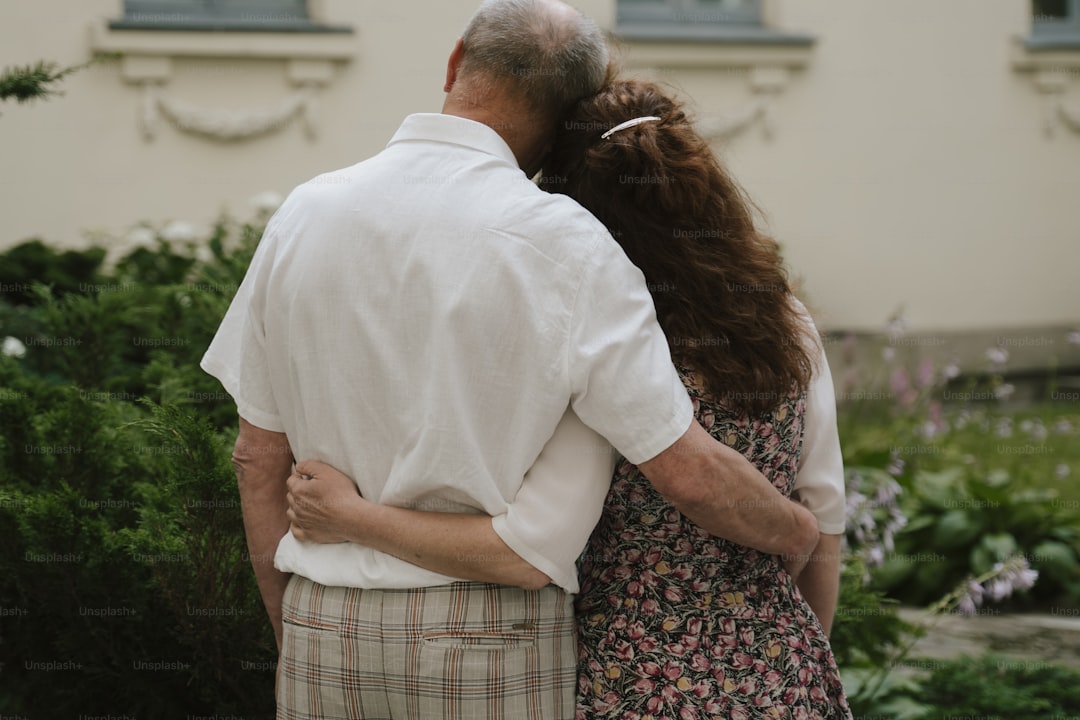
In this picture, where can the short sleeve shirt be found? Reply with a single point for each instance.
(422, 321)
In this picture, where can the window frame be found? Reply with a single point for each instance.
(695, 21)
(686, 12)
(218, 15)
(1055, 34)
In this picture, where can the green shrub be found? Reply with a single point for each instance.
(123, 570)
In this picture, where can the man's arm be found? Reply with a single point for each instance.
(263, 462)
(718, 488)
(820, 581)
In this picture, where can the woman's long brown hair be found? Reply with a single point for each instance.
(721, 292)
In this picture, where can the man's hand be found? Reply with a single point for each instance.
(322, 503)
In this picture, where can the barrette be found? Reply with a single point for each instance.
(628, 124)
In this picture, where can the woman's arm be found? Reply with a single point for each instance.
(819, 581)
(325, 507)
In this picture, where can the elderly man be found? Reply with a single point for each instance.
(424, 323)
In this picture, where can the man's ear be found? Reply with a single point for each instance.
(453, 64)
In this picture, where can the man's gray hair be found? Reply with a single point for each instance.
(548, 55)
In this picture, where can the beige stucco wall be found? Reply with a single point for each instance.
(908, 163)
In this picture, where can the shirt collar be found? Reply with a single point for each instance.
(442, 128)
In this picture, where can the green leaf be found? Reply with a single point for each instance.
(956, 528)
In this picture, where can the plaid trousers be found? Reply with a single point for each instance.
(454, 652)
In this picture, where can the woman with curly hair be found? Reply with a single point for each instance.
(674, 622)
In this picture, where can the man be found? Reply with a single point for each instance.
(424, 327)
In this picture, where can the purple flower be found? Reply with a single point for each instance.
(966, 606)
(926, 373)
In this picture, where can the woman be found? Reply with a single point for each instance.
(675, 622)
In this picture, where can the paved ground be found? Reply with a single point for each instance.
(1021, 638)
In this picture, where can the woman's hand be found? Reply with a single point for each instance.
(323, 503)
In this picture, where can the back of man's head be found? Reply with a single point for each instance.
(543, 53)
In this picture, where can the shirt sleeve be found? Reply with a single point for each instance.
(550, 519)
(819, 484)
(237, 355)
(623, 383)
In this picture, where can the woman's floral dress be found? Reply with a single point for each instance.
(676, 623)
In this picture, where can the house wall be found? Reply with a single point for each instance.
(909, 164)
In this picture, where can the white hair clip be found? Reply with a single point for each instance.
(628, 124)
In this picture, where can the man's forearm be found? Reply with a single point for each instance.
(263, 462)
(722, 492)
(819, 582)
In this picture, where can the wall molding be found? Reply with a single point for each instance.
(769, 70)
(1051, 73)
(147, 63)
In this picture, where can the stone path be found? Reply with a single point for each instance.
(1021, 638)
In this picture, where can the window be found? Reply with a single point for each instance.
(251, 15)
(738, 21)
(1055, 24)
(691, 12)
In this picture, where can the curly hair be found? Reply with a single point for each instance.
(720, 289)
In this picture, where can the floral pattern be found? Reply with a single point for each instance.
(677, 624)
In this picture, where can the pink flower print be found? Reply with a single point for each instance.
(648, 668)
(772, 679)
(690, 642)
(672, 671)
(675, 649)
(699, 662)
(707, 418)
(652, 556)
(746, 635)
(647, 644)
(634, 589)
(624, 651)
(656, 703)
(741, 661)
(649, 607)
(693, 625)
(688, 713)
(643, 686)
(740, 712)
(714, 706)
(748, 686)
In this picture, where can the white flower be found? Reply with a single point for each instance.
(997, 355)
(1073, 338)
(267, 202)
(1004, 428)
(952, 370)
(179, 232)
(142, 236)
(1062, 471)
(203, 254)
(1004, 391)
(13, 347)
(887, 354)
